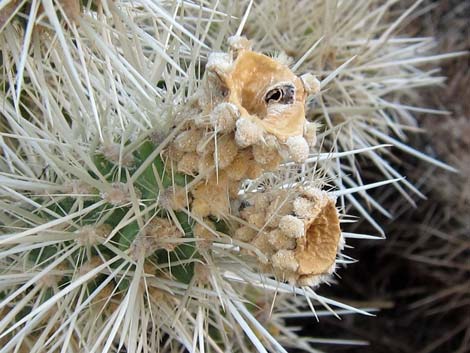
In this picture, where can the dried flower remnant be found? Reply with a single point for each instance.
(301, 233)
(246, 117)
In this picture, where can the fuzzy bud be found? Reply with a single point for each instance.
(224, 117)
(237, 43)
(298, 148)
(204, 235)
(187, 141)
(257, 219)
(285, 260)
(188, 164)
(292, 226)
(226, 151)
(261, 242)
(175, 198)
(206, 164)
(254, 170)
(279, 240)
(239, 167)
(304, 208)
(310, 134)
(248, 133)
(311, 84)
(266, 152)
(200, 207)
(113, 153)
(245, 234)
(220, 63)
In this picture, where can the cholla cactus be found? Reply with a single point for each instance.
(158, 197)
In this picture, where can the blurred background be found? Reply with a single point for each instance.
(419, 277)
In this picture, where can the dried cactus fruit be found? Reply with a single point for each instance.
(249, 111)
(316, 252)
(301, 248)
(262, 87)
(253, 116)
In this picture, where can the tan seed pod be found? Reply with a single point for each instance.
(266, 90)
(273, 164)
(260, 201)
(213, 196)
(206, 164)
(254, 171)
(316, 252)
(280, 205)
(258, 219)
(245, 212)
(200, 207)
(173, 153)
(206, 145)
(233, 189)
